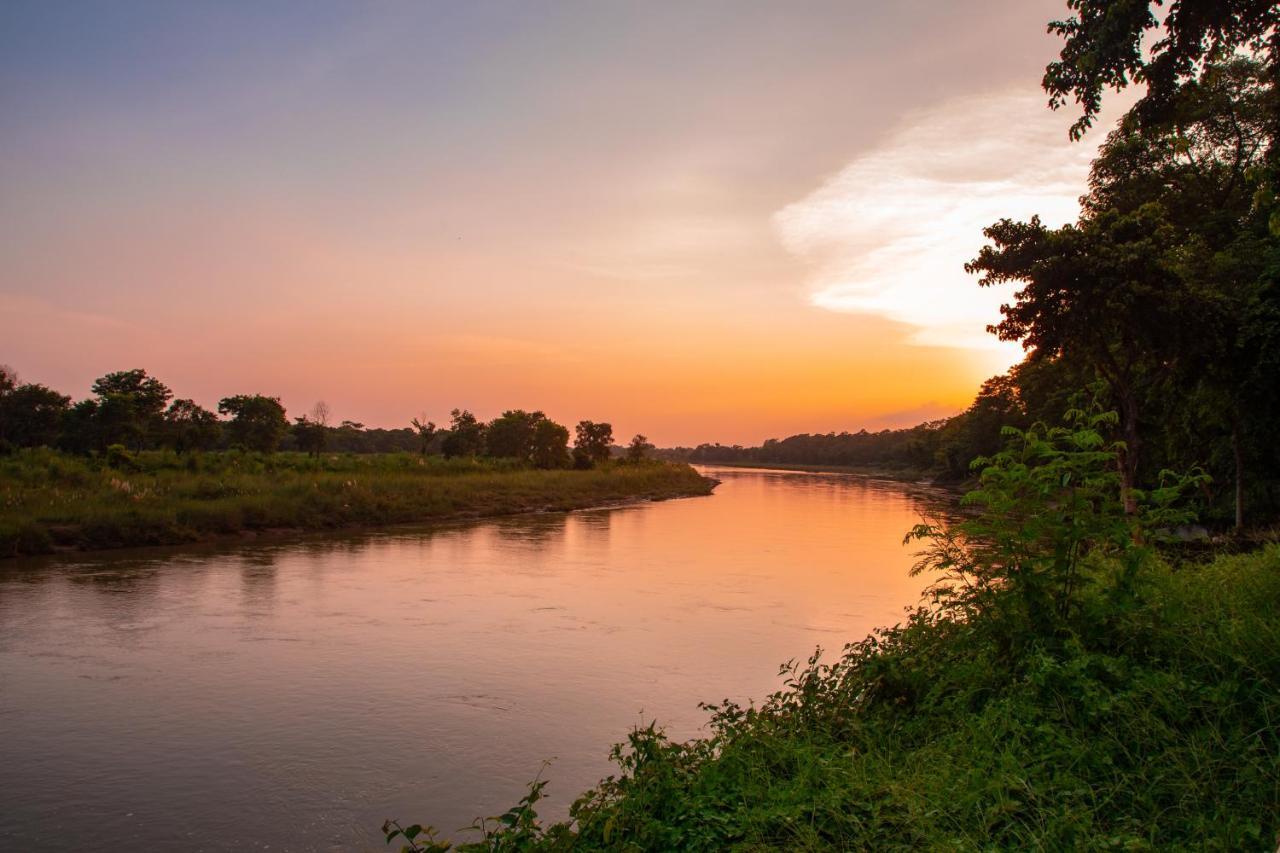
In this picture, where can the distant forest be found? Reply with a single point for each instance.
(1161, 303)
(940, 449)
(131, 410)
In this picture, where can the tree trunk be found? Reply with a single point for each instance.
(1238, 453)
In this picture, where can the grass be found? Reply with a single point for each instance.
(51, 501)
(1161, 731)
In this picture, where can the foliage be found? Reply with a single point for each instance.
(257, 422)
(466, 435)
(1049, 511)
(189, 426)
(592, 443)
(51, 500)
(30, 414)
(639, 449)
(530, 437)
(309, 436)
(1103, 48)
(550, 445)
(130, 406)
(426, 433)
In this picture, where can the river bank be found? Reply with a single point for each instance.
(915, 478)
(53, 502)
(1156, 731)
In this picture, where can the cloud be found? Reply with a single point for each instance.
(889, 234)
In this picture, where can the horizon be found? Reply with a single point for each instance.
(582, 210)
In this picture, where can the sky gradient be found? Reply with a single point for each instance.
(718, 221)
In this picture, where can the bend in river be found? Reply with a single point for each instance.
(292, 695)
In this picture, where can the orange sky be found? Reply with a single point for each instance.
(706, 222)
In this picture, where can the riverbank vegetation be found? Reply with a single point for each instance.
(131, 465)
(51, 500)
(1074, 679)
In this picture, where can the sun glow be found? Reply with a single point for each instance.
(888, 235)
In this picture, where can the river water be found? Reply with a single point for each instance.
(290, 695)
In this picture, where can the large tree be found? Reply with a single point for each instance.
(189, 426)
(1162, 287)
(257, 422)
(592, 443)
(1106, 292)
(511, 435)
(130, 407)
(550, 445)
(1205, 165)
(465, 436)
(30, 414)
(1104, 48)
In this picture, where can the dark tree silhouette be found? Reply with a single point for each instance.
(257, 422)
(466, 435)
(188, 426)
(592, 443)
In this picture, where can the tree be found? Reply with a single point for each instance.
(511, 435)
(977, 431)
(592, 443)
(638, 449)
(257, 422)
(189, 426)
(130, 407)
(465, 437)
(1047, 505)
(1103, 48)
(550, 446)
(1205, 164)
(311, 432)
(426, 434)
(1106, 291)
(80, 433)
(30, 414)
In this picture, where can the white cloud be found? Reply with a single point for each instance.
(890, 233)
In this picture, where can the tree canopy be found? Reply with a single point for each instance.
(1103, 48)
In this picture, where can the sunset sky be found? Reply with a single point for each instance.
(708, 221)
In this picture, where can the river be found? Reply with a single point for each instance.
(289, 695)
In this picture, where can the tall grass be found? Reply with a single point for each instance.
(50, 500)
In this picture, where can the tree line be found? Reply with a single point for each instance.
(132, 410)
(1163, 296)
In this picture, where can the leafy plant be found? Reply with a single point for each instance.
(1048, 522)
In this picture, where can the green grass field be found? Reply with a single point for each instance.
(51, 501)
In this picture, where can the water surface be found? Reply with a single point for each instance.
(290, 695)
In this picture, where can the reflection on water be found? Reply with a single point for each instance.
(292, 695)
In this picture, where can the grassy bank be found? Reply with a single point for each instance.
(1066, 685)
(1162, 731)
(51, 501)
